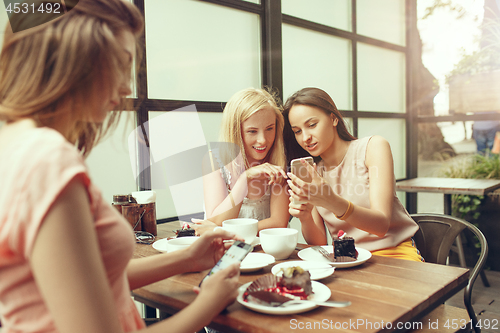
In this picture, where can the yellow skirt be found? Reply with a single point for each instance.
(406, 250)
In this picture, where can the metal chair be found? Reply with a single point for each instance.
(434, 240)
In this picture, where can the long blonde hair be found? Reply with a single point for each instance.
(52, 59)
(239, 108)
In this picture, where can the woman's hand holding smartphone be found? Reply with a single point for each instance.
(300, 170)
(235, 254)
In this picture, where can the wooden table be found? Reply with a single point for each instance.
(384, 292)
(449, 186)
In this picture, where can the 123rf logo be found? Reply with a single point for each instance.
(28, 14)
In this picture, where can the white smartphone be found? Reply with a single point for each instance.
(236, 253)
(300, 170)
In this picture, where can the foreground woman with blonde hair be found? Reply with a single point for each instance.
(65, 254)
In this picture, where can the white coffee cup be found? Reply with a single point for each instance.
(242, 227)
(279, 242)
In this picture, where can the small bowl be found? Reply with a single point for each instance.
(180, 243)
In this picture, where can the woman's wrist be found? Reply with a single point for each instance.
(186, 257)
(336, 204)
(307, 219)
(204, 309)
(206, 297)
(248, 175)
(347, 212)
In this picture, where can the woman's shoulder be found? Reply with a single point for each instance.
(376, 143)
(45, 145)
(378, 147)
(45, 156)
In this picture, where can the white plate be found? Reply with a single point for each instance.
(255, 261)
(161, 244)
(318, 270)
(321, 293)
(312, 255)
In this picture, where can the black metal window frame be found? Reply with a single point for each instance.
(272, 74)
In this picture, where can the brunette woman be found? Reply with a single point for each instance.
(353, 186)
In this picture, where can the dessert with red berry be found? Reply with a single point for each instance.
(185, 230)
(296, 281)
(343, 248)
(273, 290)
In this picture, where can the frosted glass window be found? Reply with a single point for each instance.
(402, 198)
(200, 51)
(172, 134)
(335, 14)
(111, 162)
(394, 131)
(349, 124)
(381, 79)
(382, 19)
(313, 59)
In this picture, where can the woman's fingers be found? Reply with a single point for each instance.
(272, 174)
(281, 172)
(296, 184)
(266, 170)
(311, 169)
(295, 198)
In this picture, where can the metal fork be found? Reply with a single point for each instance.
(323, 252)
(332, 304)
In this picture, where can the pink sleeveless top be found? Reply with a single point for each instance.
(34, 172)
(350, 180)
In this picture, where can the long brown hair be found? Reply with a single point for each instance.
(317, 98)
(46, 65)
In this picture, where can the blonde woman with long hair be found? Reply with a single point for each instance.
(65, 254)
(248, 171)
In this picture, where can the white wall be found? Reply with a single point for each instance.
(110, 164)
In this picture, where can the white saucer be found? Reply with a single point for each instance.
(321, 293)
(161, 244)
(255, 261)
(316, 269)
(312, 255)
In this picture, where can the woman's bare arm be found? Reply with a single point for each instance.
(279, 208)
(68, 268)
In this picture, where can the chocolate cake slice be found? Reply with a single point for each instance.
(343, 248)
(273, 290)
(186, 230)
